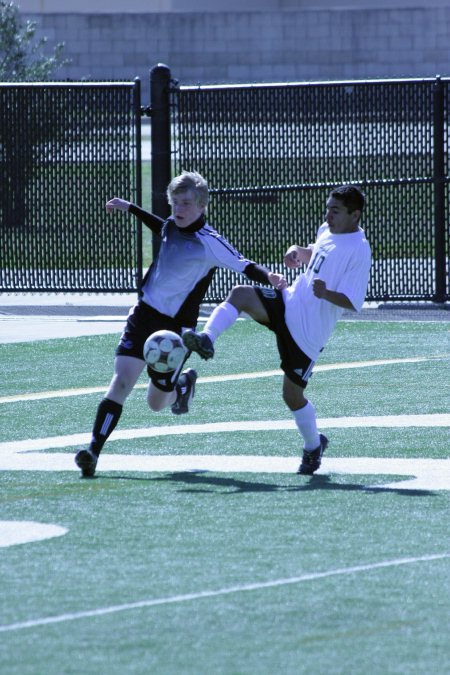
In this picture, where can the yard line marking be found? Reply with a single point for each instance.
(81, 391)
(113, 609)
(381, 421)
(420, 474)
(13, 532)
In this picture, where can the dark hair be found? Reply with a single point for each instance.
(352, 197)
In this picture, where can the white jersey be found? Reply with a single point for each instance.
(342, 261)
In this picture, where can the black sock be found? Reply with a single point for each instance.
(108, 414)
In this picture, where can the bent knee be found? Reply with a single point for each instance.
(236, 292)
(241, 297)
(120, 387)
(154, 402)
(293, 396)
(292, 402)
(157, 399)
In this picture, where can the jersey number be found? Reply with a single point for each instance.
(317, 262)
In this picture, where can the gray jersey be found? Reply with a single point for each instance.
(180, 275)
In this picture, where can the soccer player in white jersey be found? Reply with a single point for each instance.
(170, 297)
(304, 314)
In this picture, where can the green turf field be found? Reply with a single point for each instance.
(239, 571)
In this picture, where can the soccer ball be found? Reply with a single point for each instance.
(164, 351)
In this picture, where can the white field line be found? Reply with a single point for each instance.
(8, 448)
(14, 532)
(36, 396)
(418, 473)
(201, 595)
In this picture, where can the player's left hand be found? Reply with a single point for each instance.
(319, 288)
(117, 203)
(277, 280)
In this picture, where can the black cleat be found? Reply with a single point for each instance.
(200, 343)
(185, 392)
(312, 460)
(86, 461)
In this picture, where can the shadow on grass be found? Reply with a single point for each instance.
(205, 482)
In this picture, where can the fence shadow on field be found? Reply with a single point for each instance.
(206, 482)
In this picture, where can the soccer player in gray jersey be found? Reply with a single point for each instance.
(304, 314)
(170, 297)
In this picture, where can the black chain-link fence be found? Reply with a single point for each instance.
(271, 153)
(64, 150)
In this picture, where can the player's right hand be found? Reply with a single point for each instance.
(292, 258)
(117, 203)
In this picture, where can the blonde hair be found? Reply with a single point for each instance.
(189, 180)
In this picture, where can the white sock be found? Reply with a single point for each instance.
(223, 317)
(305, 419)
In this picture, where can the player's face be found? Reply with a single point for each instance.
(339, 220)
(185, 209)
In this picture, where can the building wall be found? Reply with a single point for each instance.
(263, 46)
(143, 6)
(146, 6)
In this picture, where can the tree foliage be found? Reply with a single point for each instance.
(22, 57)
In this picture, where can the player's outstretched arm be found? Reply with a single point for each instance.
(262, 275)
(154, 223)
(296, 256)
(117, 203)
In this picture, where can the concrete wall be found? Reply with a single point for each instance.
(146, 6)
(264, 46)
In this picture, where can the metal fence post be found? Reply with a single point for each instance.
(439, 192)
(160, 142)
(138, 186)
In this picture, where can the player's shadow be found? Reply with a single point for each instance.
(203, 481)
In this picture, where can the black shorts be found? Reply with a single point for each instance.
(294, 362)
(142, 321)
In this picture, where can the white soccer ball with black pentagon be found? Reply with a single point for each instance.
(164, 351)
